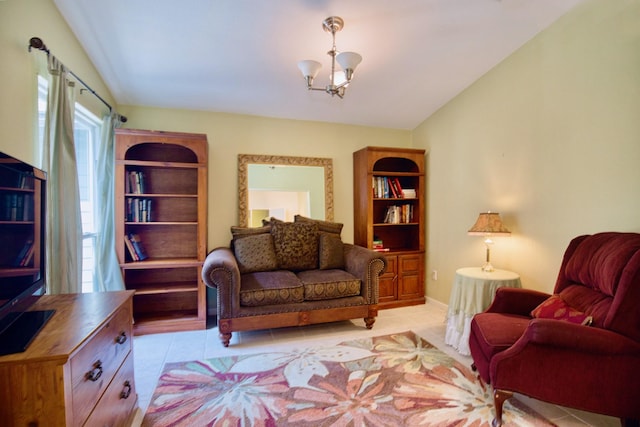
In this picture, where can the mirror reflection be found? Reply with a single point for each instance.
(283, 186)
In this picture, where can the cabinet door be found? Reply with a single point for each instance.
(387, 287)
(410, 283)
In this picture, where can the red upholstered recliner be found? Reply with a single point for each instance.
(594, 368)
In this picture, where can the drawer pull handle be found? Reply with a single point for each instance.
(96, 372)
(122, 338)
(126, 391)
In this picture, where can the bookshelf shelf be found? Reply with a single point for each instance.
(381, 174)
(161, 199)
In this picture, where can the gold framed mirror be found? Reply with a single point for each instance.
(247, 165)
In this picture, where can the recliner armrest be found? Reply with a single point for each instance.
(220, 270)
(559, 335)
(367, 265)
(516, 301)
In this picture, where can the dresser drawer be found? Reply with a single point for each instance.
(118, 401)
(95, 365)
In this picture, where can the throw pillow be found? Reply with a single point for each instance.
(326, 226)
(296, 245)
(239, 232)
(255, 253)
(554, 307)
(331, 251)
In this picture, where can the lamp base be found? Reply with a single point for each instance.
(487, 267)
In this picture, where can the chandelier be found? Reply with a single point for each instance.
(338, 80)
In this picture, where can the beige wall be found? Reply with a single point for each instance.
(19, 21)
(550, 139)
(233, 134)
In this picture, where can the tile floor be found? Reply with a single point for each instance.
(151, 352)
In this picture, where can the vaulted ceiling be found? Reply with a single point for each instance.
(240, 56)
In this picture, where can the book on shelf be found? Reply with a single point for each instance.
(399, 214)
(24, 256)
(129, 246)
(28, 257)
(135, 247)
(135, 183)
(381, 249)
(385, 187)
(138, 210)
(409, 193)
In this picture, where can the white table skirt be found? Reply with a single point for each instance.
(472, 292)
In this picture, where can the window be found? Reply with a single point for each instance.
(87, 139)
(86, 133)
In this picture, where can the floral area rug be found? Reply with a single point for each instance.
(392, 380)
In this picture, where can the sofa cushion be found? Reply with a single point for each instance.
(330, 251)
(269, 288)
(554, 307)
(255, 253)
(325, 226)
(296, 244)
(328, 284)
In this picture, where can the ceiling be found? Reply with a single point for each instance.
(240, 56)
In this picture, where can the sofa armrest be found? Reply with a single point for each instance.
(220, 271)
(367, 265)
(516, 301)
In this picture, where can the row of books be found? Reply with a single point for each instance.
(134, 183)
(26, 180)
(25, 255)
(16, 207)
(385, 187)
(138, 210)
(399, 214)
(133, 242)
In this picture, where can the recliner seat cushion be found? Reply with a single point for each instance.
(270, 287)
(495, 332)
(328, 284)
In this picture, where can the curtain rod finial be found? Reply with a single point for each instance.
(36, 42)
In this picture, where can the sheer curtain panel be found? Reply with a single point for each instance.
(108, 276)
(64, 224)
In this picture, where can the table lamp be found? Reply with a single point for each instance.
(487, 225)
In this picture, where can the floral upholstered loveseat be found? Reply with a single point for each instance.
(291, 274)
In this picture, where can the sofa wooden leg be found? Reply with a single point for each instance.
(499, 397)
(225, 338)
(369, 321)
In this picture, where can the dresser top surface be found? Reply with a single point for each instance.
(76, 318)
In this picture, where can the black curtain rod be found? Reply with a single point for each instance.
(37, 43)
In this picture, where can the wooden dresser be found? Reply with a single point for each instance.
(79, 368)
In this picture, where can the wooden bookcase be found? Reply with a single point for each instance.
(387, 211)
(166, 208)
(20, 219)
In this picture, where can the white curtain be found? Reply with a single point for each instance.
(64, 224)
(107, 275)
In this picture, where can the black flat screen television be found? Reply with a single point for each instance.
(23, 190)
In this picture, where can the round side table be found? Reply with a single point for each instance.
(473, 291)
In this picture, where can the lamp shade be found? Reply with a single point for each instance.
(348, 60)
(309, 68)
(488, 223)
